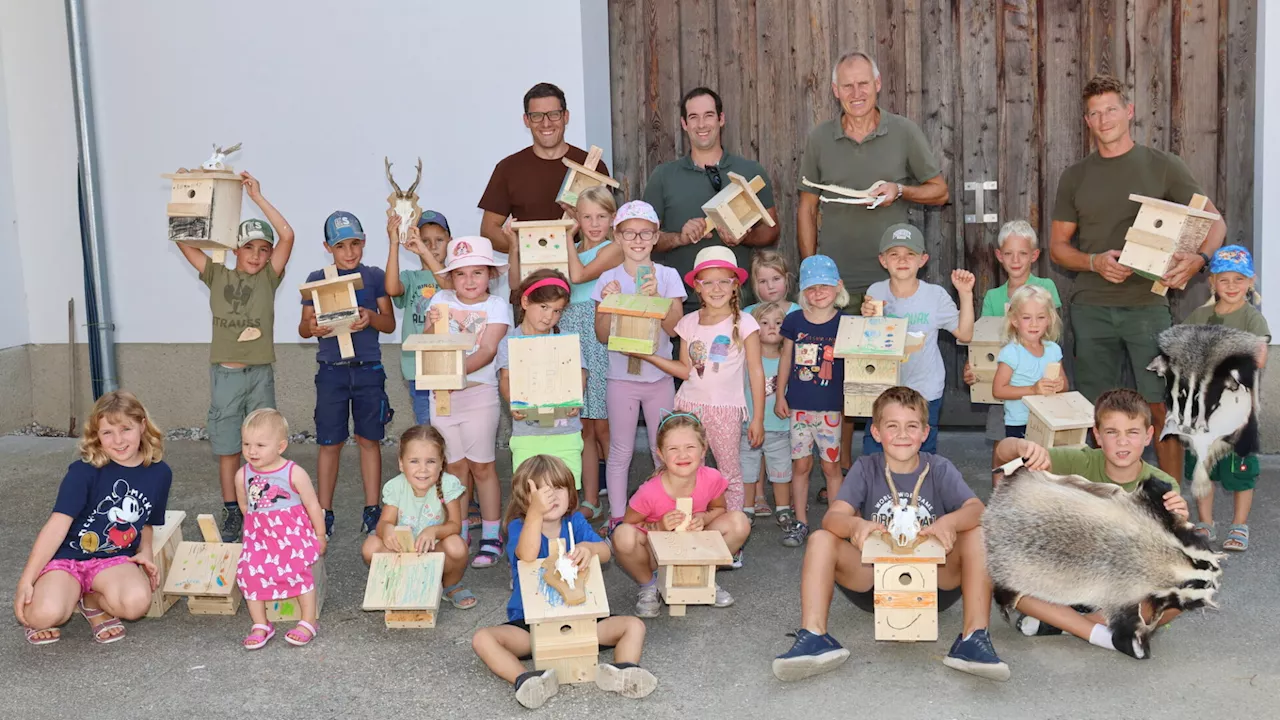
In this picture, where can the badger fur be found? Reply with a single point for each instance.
(1065, 540)
(1210, 375)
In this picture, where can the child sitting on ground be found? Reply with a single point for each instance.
(1031, 327)
(952, 516)
(541, 510)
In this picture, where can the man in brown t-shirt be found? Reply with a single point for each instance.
(524, 185)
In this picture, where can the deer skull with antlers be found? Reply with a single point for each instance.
(905, 518)
(404, 203)
(219, 154)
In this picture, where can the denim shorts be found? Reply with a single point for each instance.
(356, 391)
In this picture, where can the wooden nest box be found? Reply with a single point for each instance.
(562, 620)
(1161, 229)
(736, 208)
(580, 177)
(204, 210)
(906, 587)
(547, 380)
(687, 564)
(440, 360)
(543, 244)
(873, 350)
(1059, 420)
(164, 542)
(635, 324)
(405, 585)
(206, 572)
(334, 299)
(984, 352)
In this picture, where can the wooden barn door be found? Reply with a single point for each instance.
(994, 84)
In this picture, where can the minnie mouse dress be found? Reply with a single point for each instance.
(280, 543)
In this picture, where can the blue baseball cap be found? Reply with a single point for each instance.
(818, 270)
(342, 225)
(431, 216)
(1232, 258)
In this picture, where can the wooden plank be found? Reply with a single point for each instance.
(1152, 61)
(204, 569)
(814, 22)
(736, 23)
(1103, 38)
(208, 528)
(705, 547)
(1019, 117)
(891, 54)
(1235, 170)
(979, 136)
(543, 605)
(626, 70)
(550, 375)
(777, 90)
(404, 581)
(699, 54)
(662, 81)
(856, 27)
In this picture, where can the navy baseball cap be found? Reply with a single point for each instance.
(342, 225)
(431, 216)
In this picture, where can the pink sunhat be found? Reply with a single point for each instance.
(469, 250)
(716, 256)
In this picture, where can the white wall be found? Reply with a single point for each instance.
(1266, 183)
(13, 297)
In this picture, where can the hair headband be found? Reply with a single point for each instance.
(693, 417)
(545, 282)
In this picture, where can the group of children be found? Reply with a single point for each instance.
(761, 388)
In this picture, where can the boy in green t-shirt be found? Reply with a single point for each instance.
(1122, 429)
(412, 290)
(242, 349)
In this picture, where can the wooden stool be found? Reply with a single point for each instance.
(906, 588)
(563, 635)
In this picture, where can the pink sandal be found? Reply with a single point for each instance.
(32, 632)
(295, 636)
(253, 642)
(101, 629)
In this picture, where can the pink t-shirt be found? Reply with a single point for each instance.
(652, 498)
(669, 286)
(716, 377)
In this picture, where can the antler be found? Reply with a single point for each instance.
(915, 494)
(417, 179)
(893, 490)
(229, 150)
(387, 162)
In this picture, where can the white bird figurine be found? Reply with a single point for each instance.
(567, 569)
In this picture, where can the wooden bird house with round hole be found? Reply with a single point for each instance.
(1161, 229)
(906, 587)
(873, 350)
(562, 628)
(543, 244)
(984, 350)
(204, 209)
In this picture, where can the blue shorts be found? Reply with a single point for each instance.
(869, 444)
(421, 404)
(353, 391)
(1015, 431)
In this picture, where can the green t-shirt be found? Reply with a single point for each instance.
(994, 302)
(419, 287)
(420, 513)
(1094, 194)
(1091, 464)
(237, 301)
(1248, 318)
(896, 151)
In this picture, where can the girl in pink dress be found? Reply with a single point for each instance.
(283, 529)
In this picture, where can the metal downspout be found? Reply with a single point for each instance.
(97, 284)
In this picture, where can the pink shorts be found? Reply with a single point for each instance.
(84, 571)
(470, 429)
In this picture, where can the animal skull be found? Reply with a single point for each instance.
(404, 203)
(219, 154)
(905, 521)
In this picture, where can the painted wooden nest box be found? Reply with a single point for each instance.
(578, 178)
(544, 244)
(164, 542)
(334, 298)
(546, 381)
(562, 626)
(205, 572)
(635, 322)
(687, 564)
(984, 351)
(1161, 229)
(736, 208)
(906, 587)
(1060, 420)
(405, 586)
(204, 210)
(873, 350)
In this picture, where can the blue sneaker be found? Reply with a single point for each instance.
(372, 513)
(977, 656)
(810, 655)
(328, 524)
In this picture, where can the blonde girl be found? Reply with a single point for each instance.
(1031, 329)
(771, 282)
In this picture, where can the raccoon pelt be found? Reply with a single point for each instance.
(1065, 540)
(1211, 393)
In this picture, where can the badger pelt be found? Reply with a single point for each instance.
(1065, 540)
(1211, 393)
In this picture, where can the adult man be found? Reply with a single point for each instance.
(1114, 314)
(864, 145)
(677, 189)
(524, 185)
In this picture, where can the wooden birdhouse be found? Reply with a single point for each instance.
(736, 208)
(405, 585)
(543, 244)
(1161, 229)
(547, 381)
(439, 360)
(1060, 420)
(873, 350)
(562, 620)
(581, 177)
(334, 299)
(687, 564)
(906, 587)
(204, 210)
(205, 572)
(635, 325)
(984, 352)
(164, 543)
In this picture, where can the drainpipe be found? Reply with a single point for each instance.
(102, 351)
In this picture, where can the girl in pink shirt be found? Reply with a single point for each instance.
(682, 444)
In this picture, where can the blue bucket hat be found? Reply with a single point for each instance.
(818, 270)
(342, 225)
(1232, 258)
(431, 216)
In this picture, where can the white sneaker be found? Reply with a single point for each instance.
(723, 598)
(648, 605)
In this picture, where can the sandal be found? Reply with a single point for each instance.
(32, 633)
(255, 640)
(822, 496)
(1237, 539)
(1207, 530)
(462, 598)
(101, 629)
(762, 508)
(489, 553)
(593, 513)
(297, 637)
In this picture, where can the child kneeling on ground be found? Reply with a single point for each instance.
(953, 516)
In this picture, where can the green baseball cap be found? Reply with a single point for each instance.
(255, 229)
(902, 235)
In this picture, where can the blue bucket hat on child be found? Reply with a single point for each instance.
(818, 270)
(342, 225)
(1232, 258)
(435, 218)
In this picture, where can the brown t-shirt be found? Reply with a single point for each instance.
(524, 185)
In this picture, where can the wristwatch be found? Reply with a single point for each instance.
(1205, 267)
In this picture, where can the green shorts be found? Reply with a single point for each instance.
(1232, 472)
(1105, 336)
(567, 447)
(236, 392)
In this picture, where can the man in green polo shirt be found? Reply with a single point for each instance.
(678, 189)
(1114, 314)
(862, 146)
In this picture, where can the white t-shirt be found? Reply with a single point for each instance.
(669, 286)
(475, 318)
(929, 309)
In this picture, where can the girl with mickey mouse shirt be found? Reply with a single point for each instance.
(94, 553)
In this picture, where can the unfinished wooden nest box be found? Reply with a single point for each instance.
(635, 324)
(562, 625)
(336, 308)
(984, 354)
(205, 572)
(578, 178)
(440, 360)
(1161, 229)
(290, 609)
(204, 210)
(164, 543)
(873, 350)
(737, 208)
(906, 588)
(1059, 420)
(687, 564)
(546, 383)
(405, 585)
(543, 245)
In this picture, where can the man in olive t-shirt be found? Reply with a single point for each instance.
(1114, 314)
